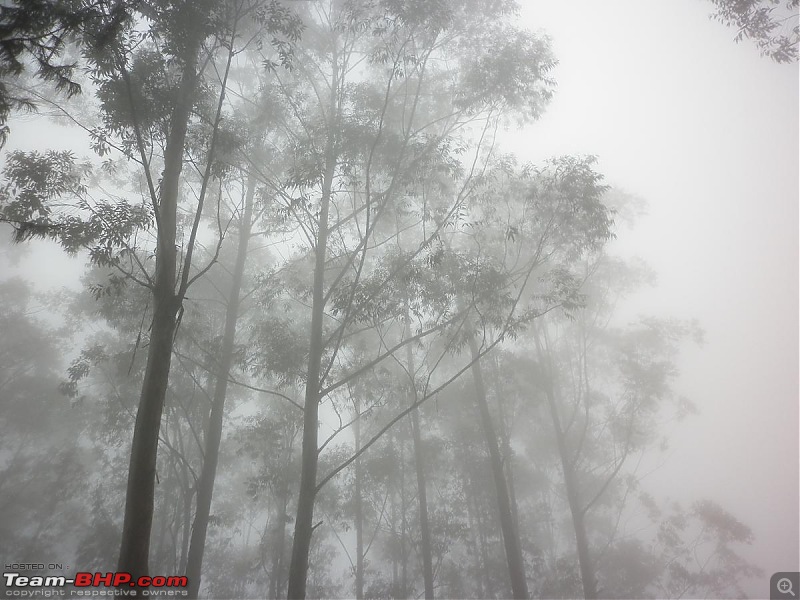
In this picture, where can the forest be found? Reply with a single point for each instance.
(332, 336)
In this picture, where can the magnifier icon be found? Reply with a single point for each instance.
(785, 586)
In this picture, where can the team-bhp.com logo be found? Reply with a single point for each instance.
(87, 584)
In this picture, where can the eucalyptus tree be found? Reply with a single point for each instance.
(186, 29)
(205, 484)
(482, 263)
(245, 140)
(105, 379)
(526, 228)
(374, 101)
(604, 390)
(153, 70)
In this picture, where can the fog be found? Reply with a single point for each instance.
(570, 373)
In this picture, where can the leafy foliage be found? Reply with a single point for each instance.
(46, 196)
(767, 22)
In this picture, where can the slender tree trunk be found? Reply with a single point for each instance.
(398, 523)
(304, 527)
(187, 496)
(162, 527)
(392, 523)
(422, 494)
(573, 495)
(205, 484)
(584, 556)
(488, 588)
(474, 534)
(573, 499)
(516, 565)
(139, 498)
(359, 508)
(304, 523)
(505, 437)
(394, 554)
(279, 533)
(403, 525)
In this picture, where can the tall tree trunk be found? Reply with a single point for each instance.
(139, 498)
(396, 537)
(422, 496)
(205, 484)
(513, 548)
(403, 591)
(505, 437)
(570, 483)
(488, 588)
(419, 463)
(304, 523)
(584, 556)
(359, 508)
(279, 532)
(474, 533)
(187, 496)
(277, 555)
(573, 497)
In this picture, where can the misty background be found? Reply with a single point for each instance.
(704, 132)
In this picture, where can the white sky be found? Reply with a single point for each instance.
(706, 131)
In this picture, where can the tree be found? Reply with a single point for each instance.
(147, 110)
(41, 31)
(205, 485)
(558, 214)
(698, 552)
(765, 22)
(364, 148)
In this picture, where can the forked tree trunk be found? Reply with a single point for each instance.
(205, 484)
(139, 498)
(513, 548)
